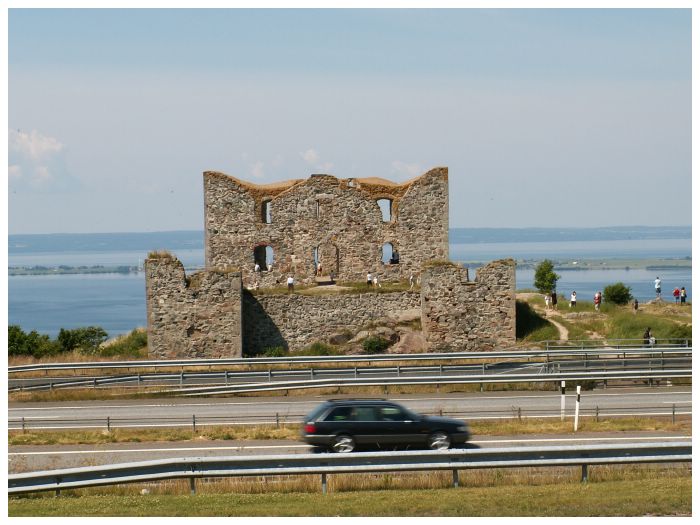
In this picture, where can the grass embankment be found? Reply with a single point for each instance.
(666, 320)
(478, 428)
(657, 495)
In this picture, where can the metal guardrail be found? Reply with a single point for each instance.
(438, 380)
(324, 464)
(278, 419)
(676, 359)
(614, 349)
(614, 343)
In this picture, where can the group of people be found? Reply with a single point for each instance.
(679, 294)
(373, 281)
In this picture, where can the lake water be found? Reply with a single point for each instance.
(116, 302)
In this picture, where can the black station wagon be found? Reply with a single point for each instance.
(344, 425)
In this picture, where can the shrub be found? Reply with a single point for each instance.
(318, 348)
(87, 340)
(617, 293)
(274, 351)
(375, 344)
(129, 345)
(545, 278)
(31, 344)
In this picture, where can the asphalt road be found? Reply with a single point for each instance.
(486, 405)
(49, 457)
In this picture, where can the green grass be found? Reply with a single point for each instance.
(531, 326)
(658, 496)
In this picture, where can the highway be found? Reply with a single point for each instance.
(640, 401)
(32, 458)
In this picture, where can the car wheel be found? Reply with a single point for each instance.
(439, 441)
(343, 444)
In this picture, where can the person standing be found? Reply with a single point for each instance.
(572, 303)
(635, 305)
(657, 286)
(647, 336)
(683, 294)
(369, 279)
(411, 280)
(547, 299)
(290, 284)
(596, 301)
(554, 300)
(676, 294)
(376, 282)
(257, 267)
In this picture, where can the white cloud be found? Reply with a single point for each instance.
(310, 156)
(405, 169)
(257, 170)
(37, 162)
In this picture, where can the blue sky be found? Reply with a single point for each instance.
(544, 117)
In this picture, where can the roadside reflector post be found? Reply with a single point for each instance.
(324, 484)
(578, 403)
(563, 399)
(584, 473)
(455, 478)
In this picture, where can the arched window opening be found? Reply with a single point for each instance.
(385, 207)
(266, 212)
(260, 258)
(390, 254)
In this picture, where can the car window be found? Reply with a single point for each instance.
(391, 414)
(317, 411)
(364, 414)
(339, 414)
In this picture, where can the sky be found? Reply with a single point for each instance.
(545, 118)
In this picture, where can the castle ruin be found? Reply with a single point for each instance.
(319, 230)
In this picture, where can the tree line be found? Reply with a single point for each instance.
(88, 340)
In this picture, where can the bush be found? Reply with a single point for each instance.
(318, 349)
(274, 351)
(617, 293)
(87, 340)
(129, 345)
(375, 344)
(31, 344)
(545, 278)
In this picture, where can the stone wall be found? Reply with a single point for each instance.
(294, 321)
(458, 314)
(193, 317)
(338, 221)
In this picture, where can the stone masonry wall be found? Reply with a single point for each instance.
(340, 219)
(458, 314)
(294, 321)
(193, 317)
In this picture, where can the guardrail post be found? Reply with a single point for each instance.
(194, 423)
(277, 419)
(182, 378)
(193, 487)
(226, 377)
(58, 486)
(455, 478)
(398, 371)
(138, 380)
(324, 484)
(596, 413)
(673, 415)
(355, 372)
(94, 383)
(269, 375)
(23, 428)
(109, 427)
(311, 371)
(584, 473)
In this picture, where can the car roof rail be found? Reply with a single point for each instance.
(359, 399)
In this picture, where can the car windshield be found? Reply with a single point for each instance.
(317, 412)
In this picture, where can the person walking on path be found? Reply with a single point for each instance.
(290, 284)
(547, 299)
(369, 279)
(635, 305)
(596, 300)
(554, 301)
(683, 294)
(572, 303)
(676, 294)
(657, 286)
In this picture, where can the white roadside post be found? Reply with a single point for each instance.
(578, 402)
(563, 399)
